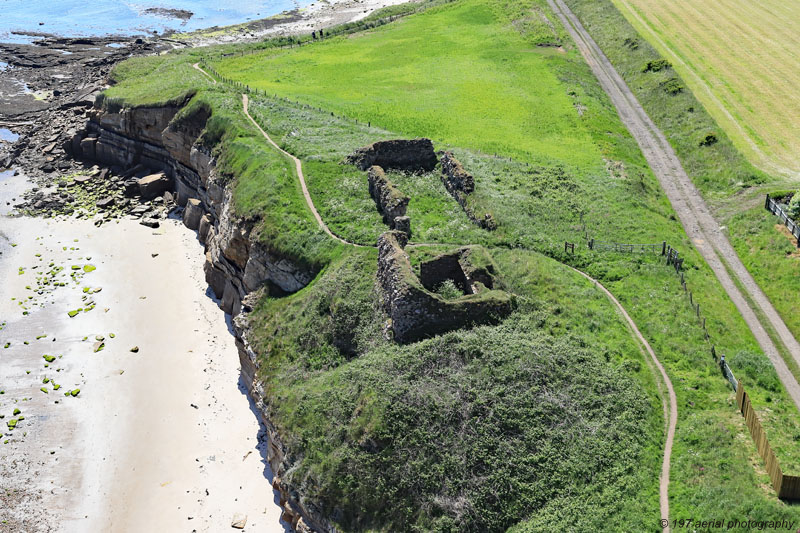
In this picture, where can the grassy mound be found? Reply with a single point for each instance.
(376, 430)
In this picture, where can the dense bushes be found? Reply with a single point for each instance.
(470, 431)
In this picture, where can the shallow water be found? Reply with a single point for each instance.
(120, 17)
(8, 136)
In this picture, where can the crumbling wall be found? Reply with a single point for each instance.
(392, 204)
(460, 184)
(417, 313)
(414, 155)
(455, 178)
(470, 268)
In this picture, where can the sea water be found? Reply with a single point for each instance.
(85, 18)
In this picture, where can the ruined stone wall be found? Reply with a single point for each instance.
(392, 204)
(460, 183)
(237, 264)
(414, 155)
(454, 176)
(417, 313)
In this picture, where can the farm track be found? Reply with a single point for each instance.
(692, 211)
(669, 401)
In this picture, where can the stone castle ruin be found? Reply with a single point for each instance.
(391, 203)
(414, 155)
(460, 184)
(416, 312)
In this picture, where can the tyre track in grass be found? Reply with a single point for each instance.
(696, 218)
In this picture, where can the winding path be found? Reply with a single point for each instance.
(669, 402)
(687, 202)
(670, 415)
(299, 168)
(204, 73)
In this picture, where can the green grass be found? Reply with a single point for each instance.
(434, 81)
(717, 170)
(359, 414)
(422, 437)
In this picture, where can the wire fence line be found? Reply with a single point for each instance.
(672, 258)
(671, 255)
(773, 207)
(784, 485)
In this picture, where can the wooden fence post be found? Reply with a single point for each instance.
(766, 204)
(591, 244)
(663, 247)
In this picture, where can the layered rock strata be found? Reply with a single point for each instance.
(238, 265)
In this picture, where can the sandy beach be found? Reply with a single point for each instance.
(320, 14)
(121, 405)
(163, 439)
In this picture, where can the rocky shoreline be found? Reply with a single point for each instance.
(140, 164)
(178, 174)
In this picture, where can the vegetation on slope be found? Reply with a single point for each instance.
(345, 400)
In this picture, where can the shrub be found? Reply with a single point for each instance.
(673, 86)
(708, 139)
(794, 206)
(655, 65)
(448, 290)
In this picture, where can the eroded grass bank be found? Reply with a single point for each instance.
(370, 422)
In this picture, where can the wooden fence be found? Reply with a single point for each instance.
(627, 248)
(787, 487)
(773, 207)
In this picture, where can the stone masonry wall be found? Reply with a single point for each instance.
(414, 155)
(460, 184)
(417, 313)
(391, 202)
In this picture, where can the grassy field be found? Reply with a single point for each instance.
(401, 438)
(742, 60)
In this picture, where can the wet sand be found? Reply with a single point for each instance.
(164, 439)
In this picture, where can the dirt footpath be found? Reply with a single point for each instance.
(692, 211)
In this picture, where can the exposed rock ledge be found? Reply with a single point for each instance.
(238, 266)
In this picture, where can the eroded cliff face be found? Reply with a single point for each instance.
(238, 266)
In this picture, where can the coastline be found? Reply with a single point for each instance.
(155, 440)
(319, 15)
(166, 438)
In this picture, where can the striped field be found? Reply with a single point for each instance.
(742, 60)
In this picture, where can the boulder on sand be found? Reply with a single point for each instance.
(154, 185)
(193, 213)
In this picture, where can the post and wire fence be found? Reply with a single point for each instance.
(786, 486)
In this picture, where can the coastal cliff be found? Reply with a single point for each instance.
(170, 149)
